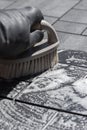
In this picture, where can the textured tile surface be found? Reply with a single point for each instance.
(6, 3)
(68, 122)
(51, 20)
(85, 32)
(12, 89)
(18, 116)
(79, 16)
(64, 86)
(69, 27)
(82, 5)
(51, 8)
(68, 76)
(70, 41)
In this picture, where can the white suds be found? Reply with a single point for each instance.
(80, 86)
(50, 80)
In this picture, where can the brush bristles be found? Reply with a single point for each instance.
(28, 67)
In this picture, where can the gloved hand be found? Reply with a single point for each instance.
(16, 30)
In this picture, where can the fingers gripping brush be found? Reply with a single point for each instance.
(36, 59)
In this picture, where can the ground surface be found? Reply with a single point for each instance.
(62, 87)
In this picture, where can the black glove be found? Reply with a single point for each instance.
(16, 30)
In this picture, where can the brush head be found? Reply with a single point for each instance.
(34, 60)
(30, 64)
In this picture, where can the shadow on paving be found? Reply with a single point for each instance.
(6, 87)
(10, 88)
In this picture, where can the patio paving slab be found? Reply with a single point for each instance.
(6, 3)
(82, 5)
(85, 32)
(18, 116)
(74, 42)
(69, 27)
(64, 87)
(79, 16)
(57, 7)
(68, 122)
(12, 89)
(51, 20)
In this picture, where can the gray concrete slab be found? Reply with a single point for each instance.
(18, 116)
(82, 5)
(48, 89)
(74, 42)
(51, 20)
(5, 3)
(85, 32)
(67, 122)
(60, 87)
(79, 16)
(64, 86)
(12, 89)
(69, 27)
(50, 8)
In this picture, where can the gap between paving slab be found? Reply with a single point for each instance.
(21, 116)
(48, 89)
(69, 27)
(56, 8)
(6, 3)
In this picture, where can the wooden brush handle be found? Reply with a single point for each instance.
(52, 35)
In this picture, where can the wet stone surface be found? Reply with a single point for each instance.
(62, 87)
(13, 88)
(18, 116)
